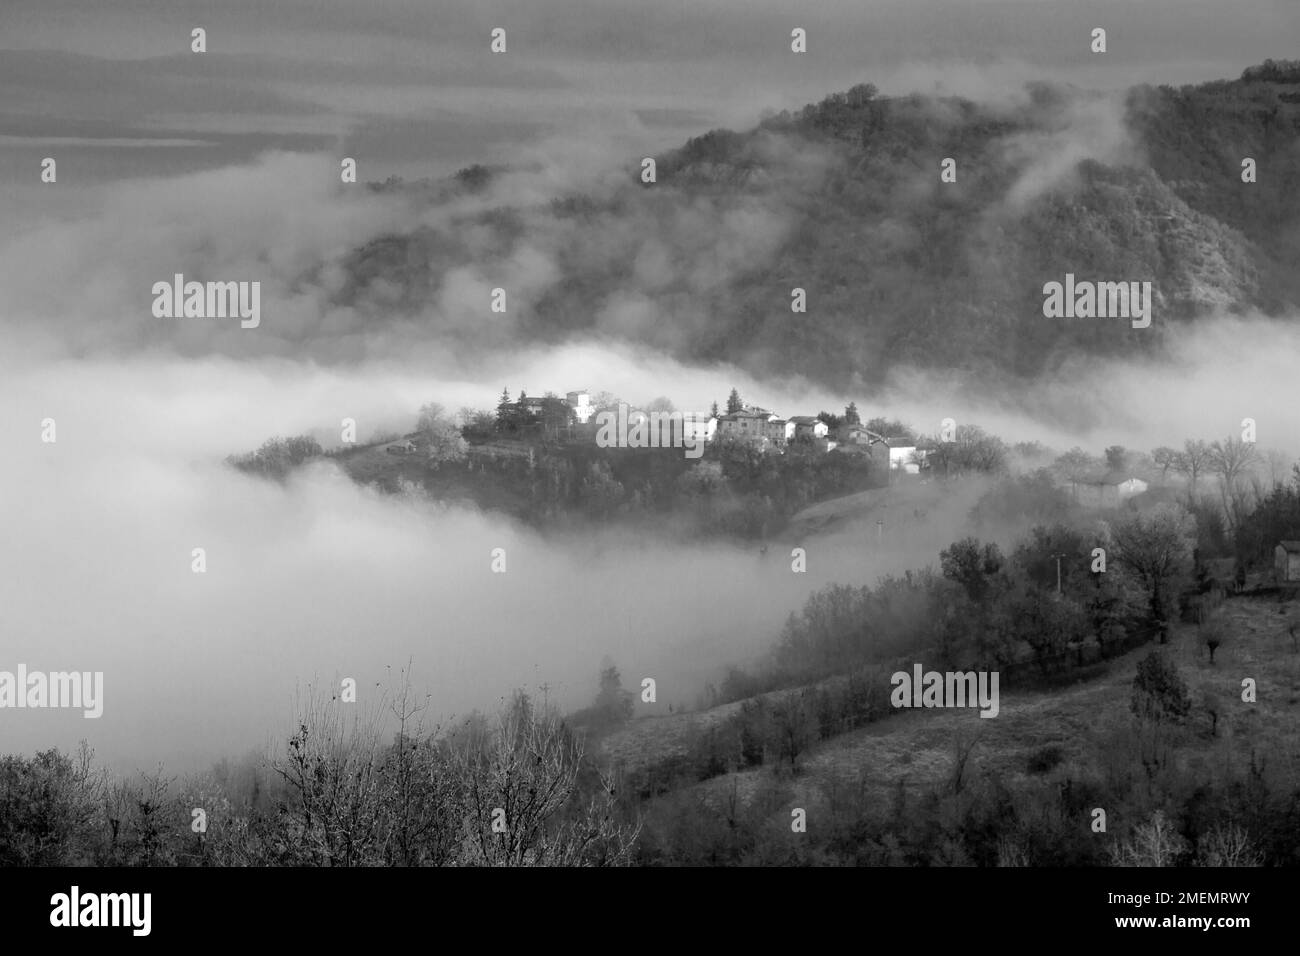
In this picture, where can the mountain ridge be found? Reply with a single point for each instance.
(844, 200)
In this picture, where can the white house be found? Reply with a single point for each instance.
(698, 427)
(1116, 486)
(580, 402)
(903, 454)
(674, 426)
(858, 435)
(1131, 486)
(900, 459)
(807, 425)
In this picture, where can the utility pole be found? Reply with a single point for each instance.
(874, 439)
(1059, 555)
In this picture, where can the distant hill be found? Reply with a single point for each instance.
(844, 199)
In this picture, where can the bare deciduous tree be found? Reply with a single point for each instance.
(1193, 460)
(973, 450)
(418, 794)
(445, 441)
(1155, 546)
(517, 776)
(795, 725)
(1278, 464)
(1165, 458)
(332, 769)
(1076, 466)
(1227, 845)
(1232, 459)
(1155, 843)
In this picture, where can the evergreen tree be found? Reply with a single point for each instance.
(1159, 691)
(506, 413)
(734, 404)
(613, 702)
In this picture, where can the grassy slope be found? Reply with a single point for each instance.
(917, 747)
(904, 501)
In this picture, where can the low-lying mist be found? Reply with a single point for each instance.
(319, 579)
(322, 579)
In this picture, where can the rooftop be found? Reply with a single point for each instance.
(1120, 477)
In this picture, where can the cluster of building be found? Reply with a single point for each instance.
(579, 402)
(771, 430)
(763, 427)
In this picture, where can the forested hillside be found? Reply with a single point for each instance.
(844, 200)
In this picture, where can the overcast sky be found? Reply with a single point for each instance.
(409, 86)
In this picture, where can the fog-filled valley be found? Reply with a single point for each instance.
(496, 554)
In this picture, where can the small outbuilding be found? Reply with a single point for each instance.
(1286, 562)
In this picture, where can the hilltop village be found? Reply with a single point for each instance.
(576, 418)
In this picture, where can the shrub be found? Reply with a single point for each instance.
(1044, 759)
(48, 808)
(1159, 691)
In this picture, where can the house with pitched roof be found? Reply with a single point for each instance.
(808, 426)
